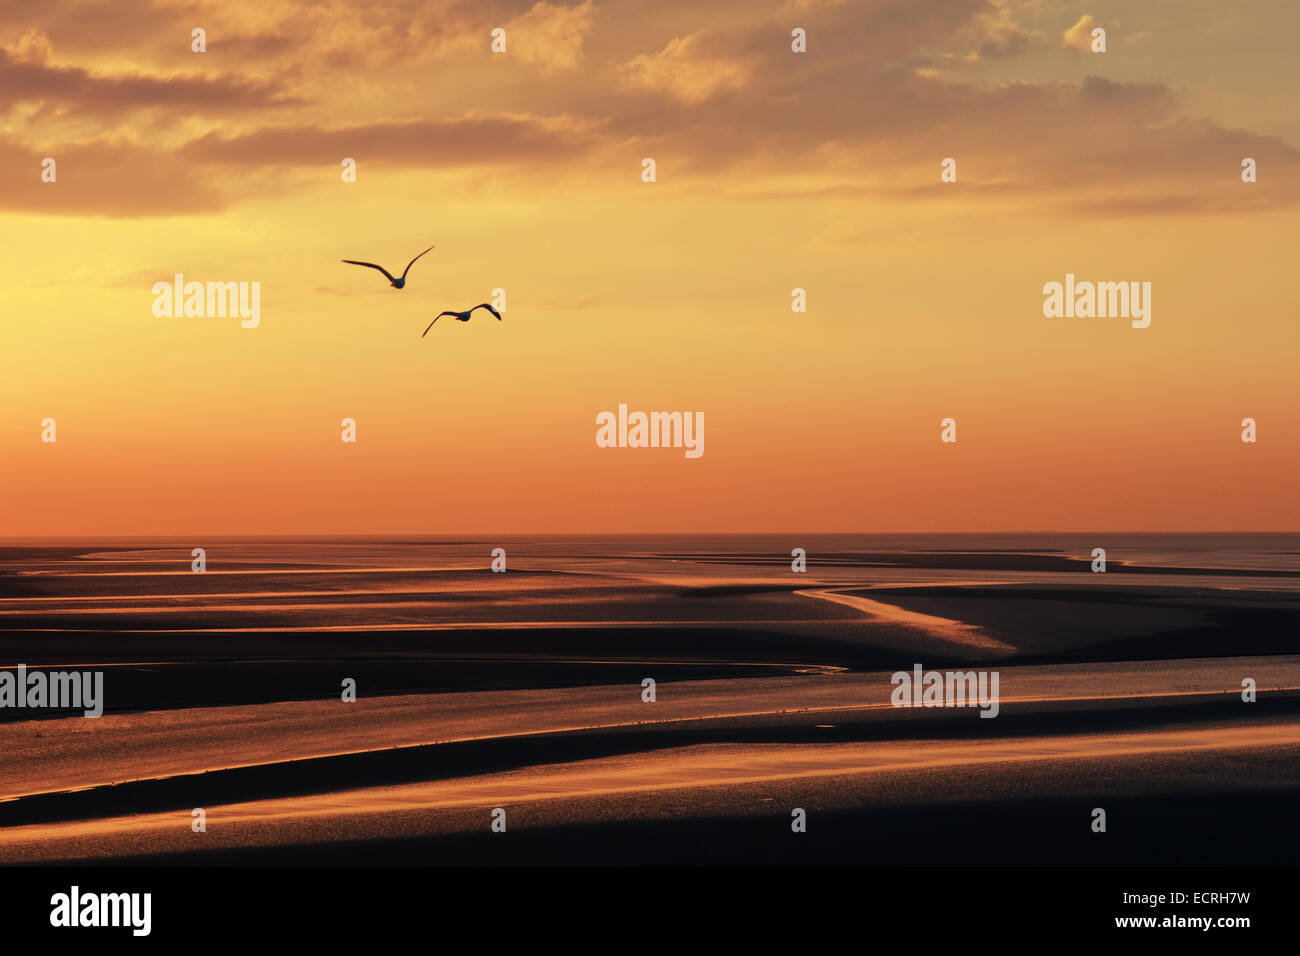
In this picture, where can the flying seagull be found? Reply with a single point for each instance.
(396, 283)
(461, 316)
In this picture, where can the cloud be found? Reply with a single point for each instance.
(1079, 36)
(866, 114)
(316, 39)
(551, 36)
(685, 69)
(469, 140)
(114, 177)
(105, 178)
(1086, 149)
(27, 75)
(1000, 35)
(33, 47)
(548, 36)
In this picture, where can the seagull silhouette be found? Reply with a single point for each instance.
(396, 283)
(461, 316)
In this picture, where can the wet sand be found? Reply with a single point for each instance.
(523, 690)
(601, 744)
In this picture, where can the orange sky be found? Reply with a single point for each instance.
(775, 170)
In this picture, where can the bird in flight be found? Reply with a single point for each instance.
(396, 283)
(461, 316)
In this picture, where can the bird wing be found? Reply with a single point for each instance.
(371, 265)
(412, 262)
(435, 319)
(484, 305)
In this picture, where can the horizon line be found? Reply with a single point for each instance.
(594, 534)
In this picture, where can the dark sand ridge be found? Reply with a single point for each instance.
(43, 590)
(1119, 622)
(957, 632)
(718, 632)
(687, 632)
(974, 560)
